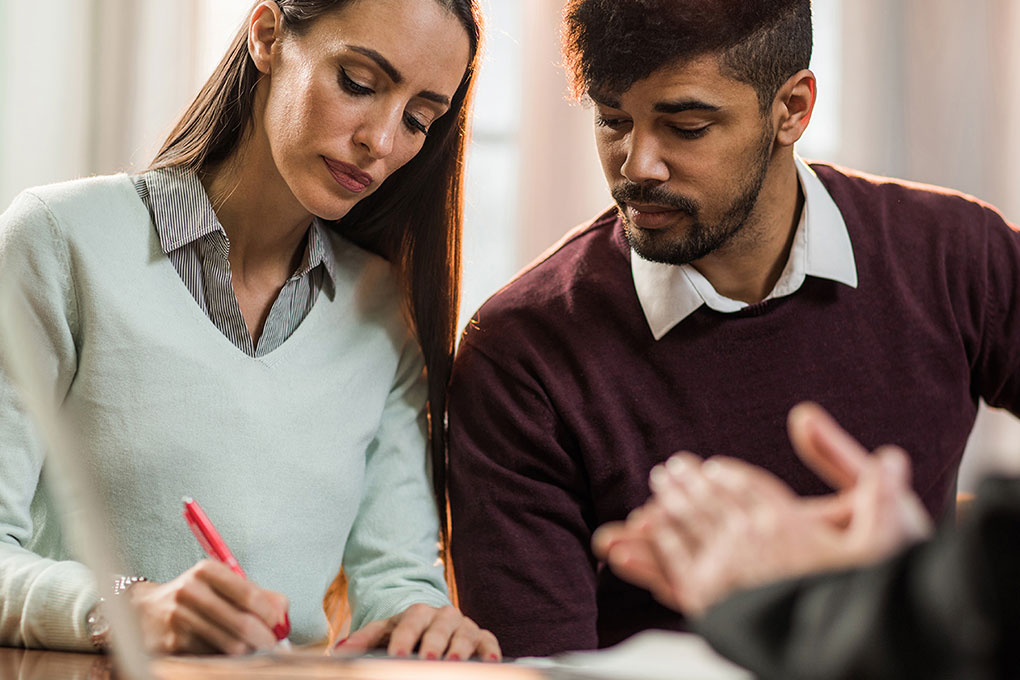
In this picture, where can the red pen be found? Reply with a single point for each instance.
(215, 547)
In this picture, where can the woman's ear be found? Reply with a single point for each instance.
(795, 102)
(264, 29)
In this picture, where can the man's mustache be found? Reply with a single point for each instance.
(629, 192)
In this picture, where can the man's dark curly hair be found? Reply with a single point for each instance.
(609, 45)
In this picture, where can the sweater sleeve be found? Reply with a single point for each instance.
(43, 602)
(948, 608)
(997, 370)
(520, 536)
(392, 558)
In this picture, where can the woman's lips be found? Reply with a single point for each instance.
(652, 216)
(348, 176)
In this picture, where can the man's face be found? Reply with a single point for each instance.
(685, 151)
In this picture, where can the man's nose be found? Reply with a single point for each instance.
(644, 161)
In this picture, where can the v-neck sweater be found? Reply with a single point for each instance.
(307, 458)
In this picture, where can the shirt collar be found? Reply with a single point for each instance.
(183, 214)
(319, 251)
(821, 248)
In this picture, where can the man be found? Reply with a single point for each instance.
(946, 608)
(730, 282)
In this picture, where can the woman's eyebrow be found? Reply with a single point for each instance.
(396, 76)
(384, 63)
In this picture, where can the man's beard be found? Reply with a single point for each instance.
(699, 238)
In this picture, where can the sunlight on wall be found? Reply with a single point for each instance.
(493, 164)
(823, 135)
(44, 136)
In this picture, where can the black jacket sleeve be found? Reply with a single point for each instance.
(947, 608)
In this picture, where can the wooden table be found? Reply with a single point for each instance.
(21, 664)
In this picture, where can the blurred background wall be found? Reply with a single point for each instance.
(928, 90)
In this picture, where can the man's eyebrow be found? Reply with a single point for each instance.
(604, 99)
(682, 105)
(396, 76)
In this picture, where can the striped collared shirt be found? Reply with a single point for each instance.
(197, 246)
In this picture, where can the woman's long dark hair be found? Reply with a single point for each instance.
(414, 219)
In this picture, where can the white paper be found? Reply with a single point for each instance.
(650, 655)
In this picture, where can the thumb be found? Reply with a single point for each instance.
(913, 517)
(824, 446)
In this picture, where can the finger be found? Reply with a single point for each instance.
(674, 552)
(824, 446)
(191, 632)
(748, 485)
(436, 638)
(835, 510)
(198, 596)
(607, 535)
(634, 562)
(709, 490)
(488, 648)
(468, 640)
(414, 621)
(680, 491)
(897, 495)
(271, 608)
(369, 636)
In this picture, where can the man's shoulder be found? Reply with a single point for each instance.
(587, 253)
(586, 269)
(867, 197)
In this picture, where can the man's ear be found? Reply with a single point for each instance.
(794, 104)
(264, 27)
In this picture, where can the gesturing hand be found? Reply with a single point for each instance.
(437, 632)
(208, 609)
(724, 524)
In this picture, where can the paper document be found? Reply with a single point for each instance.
(651, 655)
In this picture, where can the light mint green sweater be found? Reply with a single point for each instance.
(309, 456)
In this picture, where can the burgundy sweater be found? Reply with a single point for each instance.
(562, 401)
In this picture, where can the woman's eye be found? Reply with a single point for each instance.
(357, 89)
(415, 125)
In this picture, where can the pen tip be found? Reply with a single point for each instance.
(187, 499)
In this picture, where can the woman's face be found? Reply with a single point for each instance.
(351, 100)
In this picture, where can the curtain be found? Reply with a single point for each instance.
(931, 93)
(93, 86)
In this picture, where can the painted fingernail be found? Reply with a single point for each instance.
(401, 652)
(454, 657)
(286, 622)
(431, 656)
(339, 642)
(493, 657)
(280, 631)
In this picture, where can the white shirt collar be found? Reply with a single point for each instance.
(821, 247)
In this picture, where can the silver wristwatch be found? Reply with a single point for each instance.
(96, 622)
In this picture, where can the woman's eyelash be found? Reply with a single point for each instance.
(354, 88)
(359, 90)
(415, 125)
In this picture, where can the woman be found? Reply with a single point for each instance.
(297, 416)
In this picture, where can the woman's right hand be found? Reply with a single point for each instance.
(209, 609)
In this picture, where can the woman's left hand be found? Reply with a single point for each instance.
(437, 632)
